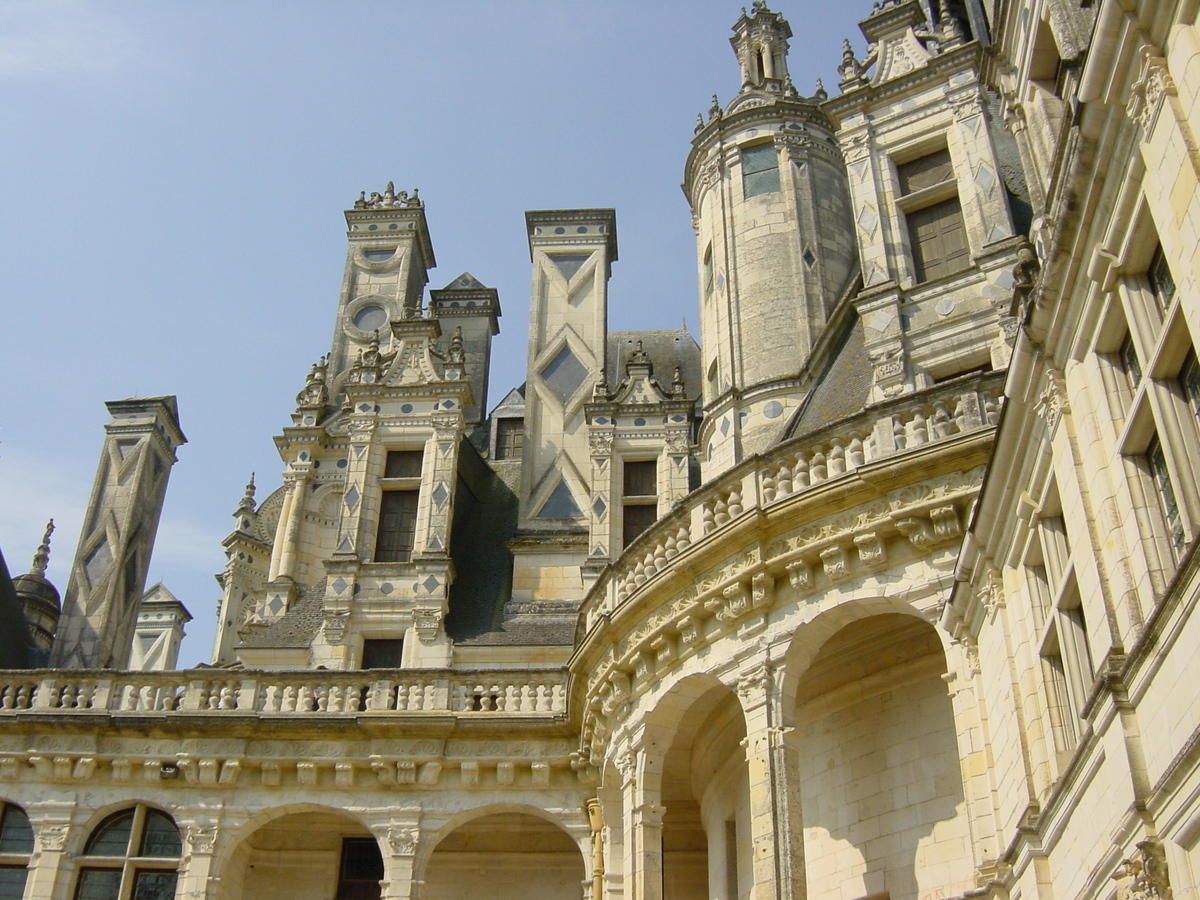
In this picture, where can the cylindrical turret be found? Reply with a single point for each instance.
(39, 598)
(760, 167)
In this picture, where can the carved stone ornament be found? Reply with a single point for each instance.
(1144, 875)
(52, 837)
(315, 394)
(428, 622)
(389, 199)
(334, 628)
(1153, 85)
(754, 683)
(403, 841)
(201, 838)
(600, 443)
(1052, 403)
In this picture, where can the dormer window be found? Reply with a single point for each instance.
(929, 199)
(398, 499)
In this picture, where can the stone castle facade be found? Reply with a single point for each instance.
(883, 589)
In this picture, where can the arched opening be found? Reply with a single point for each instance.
(505, 856)
(16, 845)
(881, 785)
(705, 792)
(314, 855)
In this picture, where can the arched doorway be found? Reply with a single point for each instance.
(705, 792)
(312, 855)
(507, 855)
(881, 784)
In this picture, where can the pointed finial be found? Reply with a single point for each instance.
(248, 499)
(41, 559)
(699, 122)
(821, 93)
(714, 111)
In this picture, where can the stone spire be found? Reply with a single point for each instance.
(41, 559)
(760, 40)
(247, 501)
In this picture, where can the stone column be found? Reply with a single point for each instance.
(199, 840)
(51, 822)
(297, 494)
(776, 832)
(643, 838)
(400, 884)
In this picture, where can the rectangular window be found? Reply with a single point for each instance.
(397, 526)
(936, 231)
(1131, 366)
(636, 518)
(926, 172)
(152, 885)
(760, 170)
(360, 871)
(403, 464)
(1189, 382)
(1162, 282)
(641, 479)
(98, 884)
(12, 882)
(939, 240)
(382, 653)
(510, 438)
(1156, 463)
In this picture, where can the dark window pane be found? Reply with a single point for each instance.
(161, 837)
(382, 653)
(98, 884)
(636, 519)
(149, 885)
(925, 172)
(1162, 282)
(1130, 363)
(397, 526)
(403, 464)
(641, 478)
(760, 170)
(361, 870)
(510, 438)
(1189, 380)
(12, 883)
(1156, 460)
(112, 837)
(939, 240)
(15, 834)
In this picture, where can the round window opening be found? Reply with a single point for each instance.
(370, 317)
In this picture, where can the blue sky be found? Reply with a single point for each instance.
(173, 181)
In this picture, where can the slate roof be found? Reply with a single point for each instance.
(666, 349)
(842, 389)
(298, 626)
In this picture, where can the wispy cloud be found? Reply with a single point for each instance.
(49, 38)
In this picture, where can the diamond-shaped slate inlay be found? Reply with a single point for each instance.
(724, 427)
(808, 258)
(430, 584)
(564, 374)
(440, 494)
(351, 497)
(881, 320)
(600, 507)
(364, 407)
(339, 585)
(275, 606)
(985, 178)
(867, 220)
(569, 265)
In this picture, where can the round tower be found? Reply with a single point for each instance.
(39, 598)
(759, 167)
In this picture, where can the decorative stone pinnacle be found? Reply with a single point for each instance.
(455, 354)
(677, 387)
(247, 502)
(390, 198)
(41, 559)
(714, 110)
(821, 93)
(639, 357)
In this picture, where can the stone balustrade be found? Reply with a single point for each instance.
(386, 692)
(889, 429)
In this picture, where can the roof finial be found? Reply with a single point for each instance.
(41, 559)
(247, 502)
(677, 386)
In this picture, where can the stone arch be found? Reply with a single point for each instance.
(316, 867)
(502, 851)
(694, 768)
(807, 640)
(880, 780)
